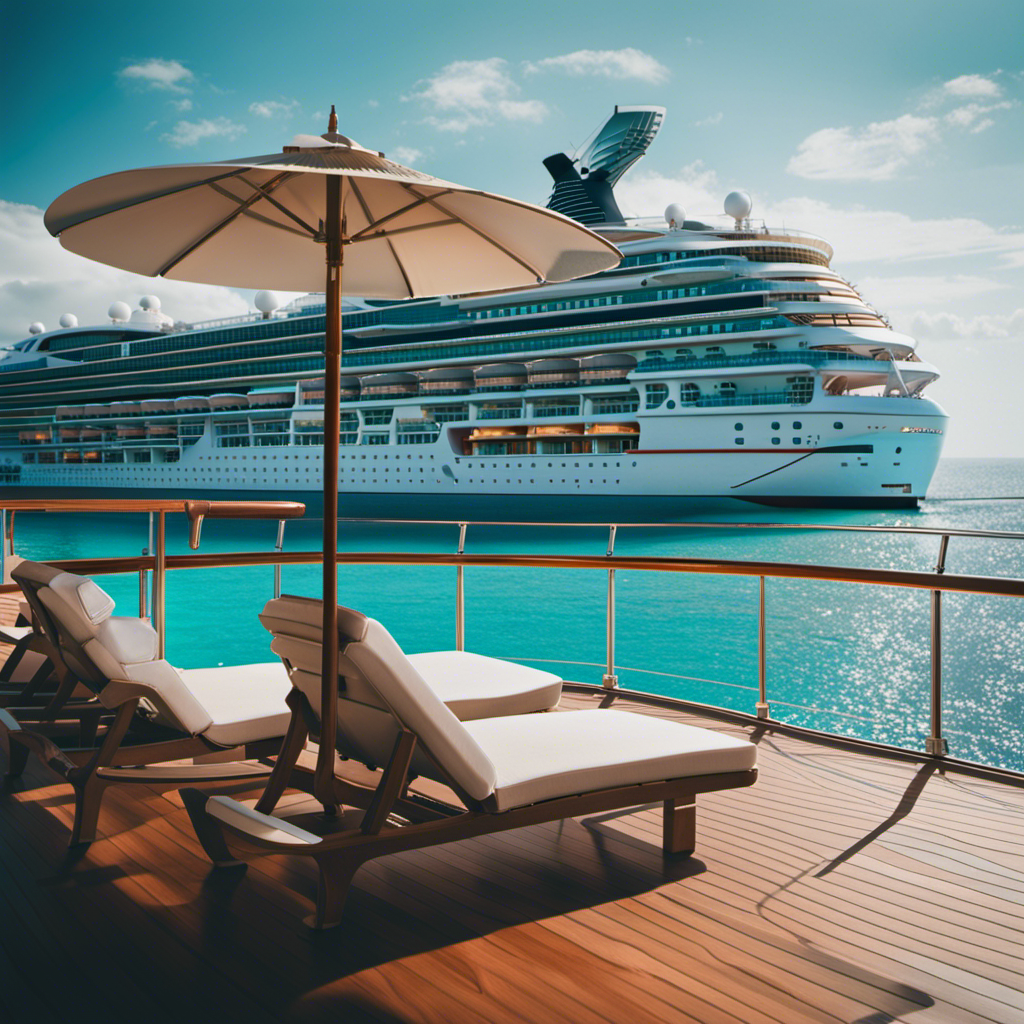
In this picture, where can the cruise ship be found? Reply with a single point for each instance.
(722, 361)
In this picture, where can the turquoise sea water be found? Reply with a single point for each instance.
(843, 657)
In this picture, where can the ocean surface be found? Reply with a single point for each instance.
(847, 658)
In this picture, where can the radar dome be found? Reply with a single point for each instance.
(149, 302)
(36, 328)
(675, 215)
(119, 311)
(68, 320)
(738, 205)
(267, 302)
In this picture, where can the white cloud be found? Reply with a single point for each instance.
(857, 233)
(182, 106)
(40, 280)
(190, 133)
(929, 290)
(946, 326)
(972, 85)
(472, 93)
(874, 153)
(706, 121)
(156, 73)
(274, 108)
(406, 154)
(618, 64)
(971, 115)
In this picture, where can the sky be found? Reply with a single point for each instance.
(895, 130)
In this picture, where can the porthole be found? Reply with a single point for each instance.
(796, 440)
(670, 404)
(838, 425)
(797, 425)
(776, 440)
(775, 425)
(898, 450)
(739, 440)
(737, 426)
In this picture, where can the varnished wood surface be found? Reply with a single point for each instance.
(840, 888)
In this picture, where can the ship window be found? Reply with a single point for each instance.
(796, 440)
(837, 425)
(775, 425)
(656, 395)
(738, 426)
(739, 440)
(776, 440)
(797, 425)
(670, 404)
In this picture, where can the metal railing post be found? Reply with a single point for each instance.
(763, 710)
(159, 578)
(610, 680)
(279, 546)
(150, 550)
(460, 595)
(935, 744)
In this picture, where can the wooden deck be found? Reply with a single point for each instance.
(842, 887)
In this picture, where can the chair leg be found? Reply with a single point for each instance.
(207, 829)
(680, 826)
(294, 741)
(13, 660)
(88, 797)
(336, 871)
(17, 757)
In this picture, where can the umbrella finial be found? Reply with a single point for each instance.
(332, 122)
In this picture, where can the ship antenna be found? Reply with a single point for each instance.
(332, 122)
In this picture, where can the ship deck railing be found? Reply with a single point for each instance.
(153, 566)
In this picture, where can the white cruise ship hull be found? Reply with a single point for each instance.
(880, 459)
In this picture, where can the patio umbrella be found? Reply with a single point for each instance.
(275, 220)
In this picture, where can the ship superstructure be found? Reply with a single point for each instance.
(717, 362)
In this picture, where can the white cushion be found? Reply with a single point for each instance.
(474, 686)
(540, 757)
(128, 640)
(244, 702)
(84, 595)
(172, 699)
(379, 658)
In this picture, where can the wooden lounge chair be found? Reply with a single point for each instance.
(504, 772)
(157, 713)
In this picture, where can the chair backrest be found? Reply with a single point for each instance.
(96, 646)
(378, 690)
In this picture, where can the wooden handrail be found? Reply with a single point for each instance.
(988, 585)
(213, 509)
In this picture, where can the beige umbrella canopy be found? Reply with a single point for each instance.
(291, 220)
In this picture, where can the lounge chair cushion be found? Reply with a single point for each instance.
(540, 757)
(245, 703)
(474, 686)
(376, 655)
(84, 596)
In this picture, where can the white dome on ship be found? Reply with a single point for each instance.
(738, 205)
(36, 328)
(675, 216)
(119, 311)
(149, 312)
(68, 320)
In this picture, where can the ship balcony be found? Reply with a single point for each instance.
(859, 880)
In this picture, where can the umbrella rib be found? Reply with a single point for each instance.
(402, 231)
(284, 209)
(369, 217)
(396, 213)
(490, 238)
(243, 205)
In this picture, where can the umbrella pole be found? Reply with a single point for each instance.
(323, 779)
